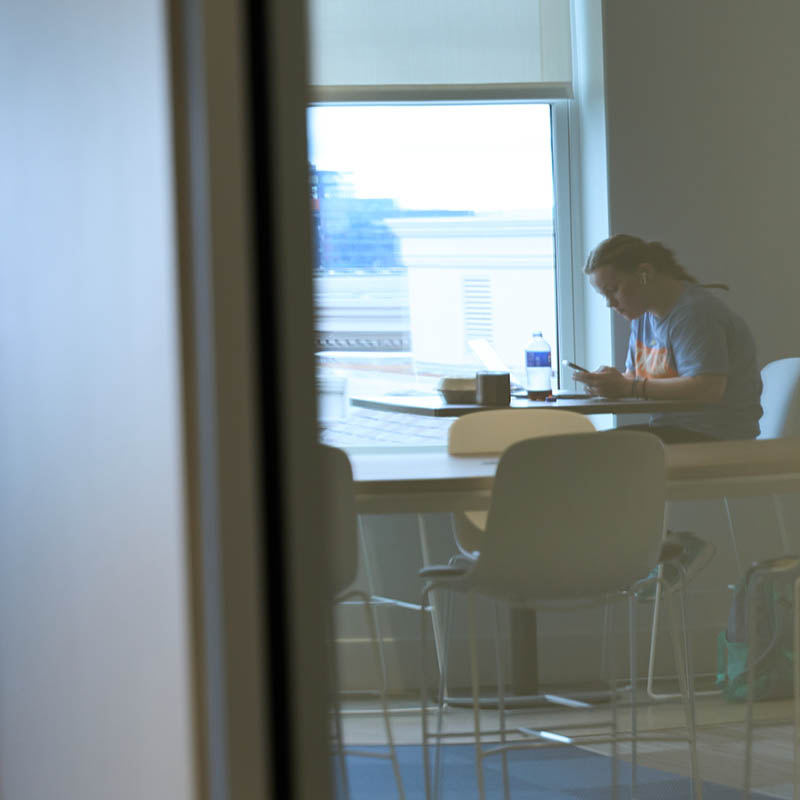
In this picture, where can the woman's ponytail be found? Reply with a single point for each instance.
(626, 253)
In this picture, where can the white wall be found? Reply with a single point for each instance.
(703, 122)
(702, 126)
(94, 698)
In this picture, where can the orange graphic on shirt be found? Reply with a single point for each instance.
(653, 362)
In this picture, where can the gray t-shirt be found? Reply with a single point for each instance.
(701, 336)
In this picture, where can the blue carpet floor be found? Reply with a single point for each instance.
(558, 773)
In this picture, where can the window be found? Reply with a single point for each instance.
(438, 148)
(435, 228)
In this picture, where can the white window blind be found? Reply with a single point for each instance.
(412, 49)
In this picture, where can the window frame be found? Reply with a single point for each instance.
(568, 298)
(565, 228)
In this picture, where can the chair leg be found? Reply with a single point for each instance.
(437, 769)
(473, 658)
(778, 507)
(633, 671)
(735, 549)
(423, 688)
(653, 638)
(344, 782)
(779, 519)
(501, 691)
(426, 561)
(796, 692)
(748, 725)
(366, 560)
(604, 640)
(381, 667)
(610, 659)
(683, 659)
(373, 618)
(652, 658)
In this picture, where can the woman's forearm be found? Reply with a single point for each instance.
(698, 388)
(608, 382)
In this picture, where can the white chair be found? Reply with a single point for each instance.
(339, 505)
(575, 520)
(786, 569)
(489, 433)
(780, 400)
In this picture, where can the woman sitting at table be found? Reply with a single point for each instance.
(685, 344)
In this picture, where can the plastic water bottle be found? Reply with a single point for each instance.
(538, 368)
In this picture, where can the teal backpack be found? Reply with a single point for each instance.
(773, 648)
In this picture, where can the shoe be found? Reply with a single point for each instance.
(681, 551)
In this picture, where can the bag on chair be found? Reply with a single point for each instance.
(772, 651)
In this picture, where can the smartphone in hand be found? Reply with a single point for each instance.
(576, 367)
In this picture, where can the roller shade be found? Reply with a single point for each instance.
(439, 47)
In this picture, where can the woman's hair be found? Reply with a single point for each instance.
(626, 253)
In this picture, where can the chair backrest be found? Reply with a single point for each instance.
(574, 516)
(492, 431)
(780, 399)
(339, 515)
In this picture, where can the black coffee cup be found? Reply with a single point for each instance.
(492, 388)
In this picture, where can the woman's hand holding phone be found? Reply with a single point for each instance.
(605, 382)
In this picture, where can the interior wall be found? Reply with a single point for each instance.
(702, 125)
(94, 697)
(702, 131)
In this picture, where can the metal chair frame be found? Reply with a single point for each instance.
(474, 582)
(781, 401)
(345, 556)
(758, 571)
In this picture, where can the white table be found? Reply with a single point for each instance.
(412, 481)
(419, 482)
(432, 405)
